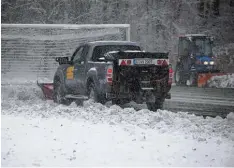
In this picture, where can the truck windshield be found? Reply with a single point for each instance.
(202, 47)
(99, 51)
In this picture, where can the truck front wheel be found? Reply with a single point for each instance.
(59, 94)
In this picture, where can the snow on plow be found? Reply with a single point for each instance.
(203, 78)
(222, 81)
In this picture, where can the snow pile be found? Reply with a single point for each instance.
(230, 117)
(28, 101)
(109, 135)
(21, 92)
(63, 142)
(224, 81)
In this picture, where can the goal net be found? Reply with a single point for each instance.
(29, 50)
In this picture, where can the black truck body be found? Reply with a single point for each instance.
(116, 71)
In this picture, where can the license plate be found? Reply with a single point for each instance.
(143, 61)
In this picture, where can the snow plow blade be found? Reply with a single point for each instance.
(47, 89)
(203, 78)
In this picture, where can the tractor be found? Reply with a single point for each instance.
(195, 63)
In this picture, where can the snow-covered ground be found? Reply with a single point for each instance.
(36, 132)
(224, 81)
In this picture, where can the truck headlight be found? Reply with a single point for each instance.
(211, 62)
(205, 63)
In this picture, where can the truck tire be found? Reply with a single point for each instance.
(93, 94)
(59, 94)
(116, 102)
(155, 106)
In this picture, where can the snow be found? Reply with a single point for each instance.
(230, 117)
(37, 132)
(63, 142)
(224, 81)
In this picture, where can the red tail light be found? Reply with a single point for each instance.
(109, 74)
(109, 80)
(170, 70)
(109, 71)
(170, 75)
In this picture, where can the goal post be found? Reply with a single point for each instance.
(28, 50)
(125, 27)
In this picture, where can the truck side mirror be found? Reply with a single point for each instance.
(63, 60)
(212, 39)
(190, 39)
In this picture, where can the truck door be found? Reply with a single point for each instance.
(184, 53)
(80, 69)
(71, 81)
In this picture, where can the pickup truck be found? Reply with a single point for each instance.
(117, 71)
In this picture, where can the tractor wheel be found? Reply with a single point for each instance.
(192, 81)
(59, 94)
(179, 77)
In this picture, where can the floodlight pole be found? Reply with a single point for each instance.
(128, 33)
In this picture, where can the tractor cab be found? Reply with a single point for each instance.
(194, 56)
(198, 48)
